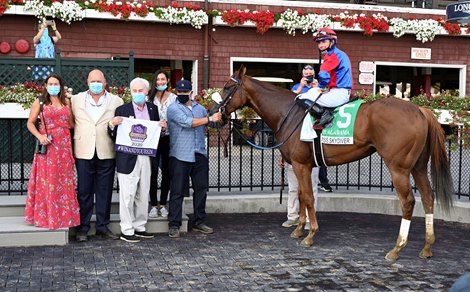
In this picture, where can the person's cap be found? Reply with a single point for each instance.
(184, 85)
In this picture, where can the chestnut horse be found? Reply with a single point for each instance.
(405, 135)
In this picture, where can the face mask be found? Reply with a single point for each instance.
(161, 87)
(138, 98)
(96, 87)
(183, 98)
(53, 89)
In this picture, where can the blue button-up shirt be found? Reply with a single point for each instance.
(186, 141)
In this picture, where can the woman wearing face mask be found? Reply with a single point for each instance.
(162, 97)
(51, 200)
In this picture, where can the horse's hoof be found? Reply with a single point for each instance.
(306, 242)
(425, 254)
(296, 234)
(392, 256)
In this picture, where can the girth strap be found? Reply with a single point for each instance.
(318, 156)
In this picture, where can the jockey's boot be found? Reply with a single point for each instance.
(326, 118)
(313, 108)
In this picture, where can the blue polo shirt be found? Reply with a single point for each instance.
(186, 141)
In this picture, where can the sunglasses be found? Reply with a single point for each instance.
(308, 67)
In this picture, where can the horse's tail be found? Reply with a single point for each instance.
(440, 168)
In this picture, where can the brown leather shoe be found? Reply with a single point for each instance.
(81, 236)
(107, 234)
(203, 228)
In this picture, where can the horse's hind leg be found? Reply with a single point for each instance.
(420, 176)
(401, 181)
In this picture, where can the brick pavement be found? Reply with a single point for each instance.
(248, 252)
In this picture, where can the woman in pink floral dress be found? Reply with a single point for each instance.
(52, 201)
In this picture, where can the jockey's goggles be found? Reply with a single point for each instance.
(322, 33)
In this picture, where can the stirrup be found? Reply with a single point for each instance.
(326, 118)
(313, 108)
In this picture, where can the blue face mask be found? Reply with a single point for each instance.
(161, 87)
(96, 87)
(138, 98)
(53, 89)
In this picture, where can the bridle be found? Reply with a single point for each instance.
(231, 90)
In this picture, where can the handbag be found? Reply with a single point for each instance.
(40, 148)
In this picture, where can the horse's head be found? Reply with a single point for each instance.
(232, 94)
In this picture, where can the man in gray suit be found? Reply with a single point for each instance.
(94, 154)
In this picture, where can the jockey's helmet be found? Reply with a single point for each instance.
(325, 33)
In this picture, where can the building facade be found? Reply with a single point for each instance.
(381, 62)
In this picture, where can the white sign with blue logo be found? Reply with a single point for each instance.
(458, 12)
(138, 137)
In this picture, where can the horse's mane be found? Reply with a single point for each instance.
(271, 88)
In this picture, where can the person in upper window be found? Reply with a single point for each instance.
(43, 42)
(44, 47)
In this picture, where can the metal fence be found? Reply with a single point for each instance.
(74, 72)
(243, 168)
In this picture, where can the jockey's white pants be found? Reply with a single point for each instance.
(334, 97)
(293, 204)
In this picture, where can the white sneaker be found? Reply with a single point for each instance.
(307, 226)
(164, 212)
(290, 223)
(153, 213)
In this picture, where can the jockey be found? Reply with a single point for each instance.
(335, 76)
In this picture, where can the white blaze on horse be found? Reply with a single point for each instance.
(405, 135)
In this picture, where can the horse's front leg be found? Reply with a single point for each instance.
(299, 230)
(312, 213)
(306, 200)
(309, 206)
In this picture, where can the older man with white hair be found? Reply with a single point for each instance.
(134, 170)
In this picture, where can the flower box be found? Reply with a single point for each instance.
(95, 14)
(12, 110)
(217, 21)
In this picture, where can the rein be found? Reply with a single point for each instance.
(229, 97)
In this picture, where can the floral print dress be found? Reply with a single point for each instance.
(52, 200)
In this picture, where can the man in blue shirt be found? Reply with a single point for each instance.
(307, 82)
(187, 121)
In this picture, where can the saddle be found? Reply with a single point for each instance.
(322, 115)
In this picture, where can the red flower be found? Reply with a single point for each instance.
(263, 19)
(452, 28)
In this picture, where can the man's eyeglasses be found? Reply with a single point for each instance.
(308, 67)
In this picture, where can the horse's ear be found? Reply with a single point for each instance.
(241, 71)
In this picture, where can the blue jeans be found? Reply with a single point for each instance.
(181, 172)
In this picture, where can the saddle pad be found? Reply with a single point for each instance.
(342, 129)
